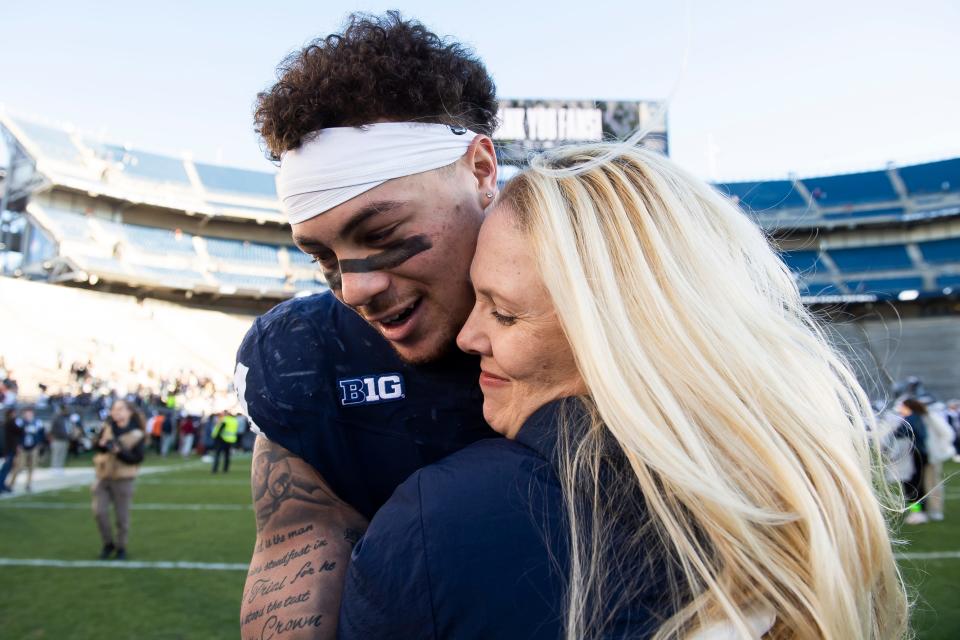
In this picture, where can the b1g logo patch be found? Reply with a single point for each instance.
(372, 389)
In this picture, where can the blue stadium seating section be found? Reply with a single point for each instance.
(239, 251)
(54, 143)
(228, 179)
(877, 258)
(885, 285)
(940, 251)
(895, 212)
(309, 285)
(176, 277)
(71, 226)
(240, 280)
(857, 197)
(932, 177)
(802, 262)
(299, 258)
(149, 166)
(764, 197)
(951, 281)
(101, 265)
(819, 289)
(854, 188)
(155, 240)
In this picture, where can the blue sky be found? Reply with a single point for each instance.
(770, 87)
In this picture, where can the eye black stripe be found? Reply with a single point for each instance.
(389, 259)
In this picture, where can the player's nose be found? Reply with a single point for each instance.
(359, 289)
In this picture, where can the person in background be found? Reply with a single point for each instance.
(224, 437)
(119, 446)
(60, 432)
(188, 432)
(155, 429)
(915, 431)
(11, 445)
(934, 442)
(168, 434)
(953, 419)
(32, 434)
(77, 434)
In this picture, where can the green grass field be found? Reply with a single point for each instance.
(158, 603)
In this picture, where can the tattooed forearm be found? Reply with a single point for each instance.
(304, 538)
(275, 483)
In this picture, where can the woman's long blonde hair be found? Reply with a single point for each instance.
(743, 429)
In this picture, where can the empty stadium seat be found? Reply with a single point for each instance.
(52, 143)
(896, 212)
(940, 251)
(299, 258)
(854, 188)
(764, 197)
(802, 262)
(931, 177)
(302, 285)
(242, 251)
(68, 225)
(818, 289)
(103, 265)
(155, 240)
(885, 286)
(241, 280)
(179, 278)
(231, 180)
(951, 281)
(876, 258)
(148, 166)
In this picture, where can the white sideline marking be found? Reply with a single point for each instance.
(929, 555)
(196, 483)
(145, 506)
(48, 480)
(120, 564)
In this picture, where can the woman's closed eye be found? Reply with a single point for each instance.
(503, 319)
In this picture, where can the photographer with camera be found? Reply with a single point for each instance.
(119, 446)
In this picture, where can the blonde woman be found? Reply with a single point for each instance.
(692, 452)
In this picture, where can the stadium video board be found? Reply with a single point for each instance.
(528, 126)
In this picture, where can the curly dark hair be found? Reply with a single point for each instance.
(380, 68)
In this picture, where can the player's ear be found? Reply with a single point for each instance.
(482, 161)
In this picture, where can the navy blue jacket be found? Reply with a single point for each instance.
(316, 379)
(476, 546)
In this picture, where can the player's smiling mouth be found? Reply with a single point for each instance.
(398, 326)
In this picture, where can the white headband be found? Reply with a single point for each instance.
(334, 165)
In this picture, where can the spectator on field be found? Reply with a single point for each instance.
(896, 438)
(11, 445)
(32, 434)
(119, 446)
(953, 419)
(188, 432)
(61, 430)
(155, 430)
(168, 434)
(78, 435)
(224, 437)
(934, 442)
(8, 392)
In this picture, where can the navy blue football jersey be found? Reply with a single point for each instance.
(316, 379)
